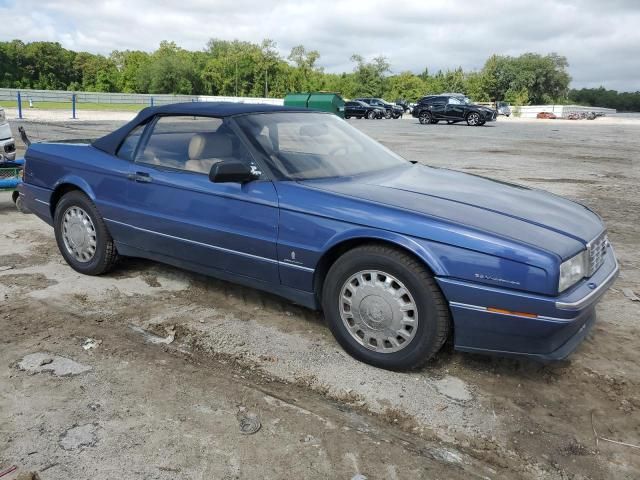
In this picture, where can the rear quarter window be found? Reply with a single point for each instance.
(128, 148)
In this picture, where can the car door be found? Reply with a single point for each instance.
(175, 210)
(455, 109)
(437, 109)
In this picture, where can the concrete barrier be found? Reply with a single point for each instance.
(561, 111)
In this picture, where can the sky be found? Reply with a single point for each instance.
(600, 38)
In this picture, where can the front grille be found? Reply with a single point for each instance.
(596, 249)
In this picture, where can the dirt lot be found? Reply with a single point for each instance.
(179, 361)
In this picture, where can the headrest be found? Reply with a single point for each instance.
(210, 145)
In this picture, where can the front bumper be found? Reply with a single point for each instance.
(557, 326)
(490, 116)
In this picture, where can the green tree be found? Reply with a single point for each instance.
(370, 76)
(406, 86)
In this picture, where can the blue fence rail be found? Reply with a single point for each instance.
(36, 98)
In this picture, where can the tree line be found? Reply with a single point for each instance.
(240, 68)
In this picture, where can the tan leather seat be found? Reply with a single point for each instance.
(205, 149)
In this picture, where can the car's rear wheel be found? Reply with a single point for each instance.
(473, 119)
(384, 307)
(425, 118)
(347, 117)
(387, 114)
(82, 236)
(371, 114)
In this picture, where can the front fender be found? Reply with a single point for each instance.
(418, 248)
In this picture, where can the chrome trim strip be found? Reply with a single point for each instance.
(584, 301)
(479, 308)
(214, 247)
(293, 265)
(42, 201)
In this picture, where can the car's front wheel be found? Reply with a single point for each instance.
(371, 114)
(425, 118)
(82, 236)
(473, 119)
(384, 307)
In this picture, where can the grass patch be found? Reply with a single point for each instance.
(107, 107)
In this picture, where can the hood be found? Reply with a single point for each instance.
(514, 212)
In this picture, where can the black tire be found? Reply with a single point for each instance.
(347, 117)
(425, 117)
(387, 114)
(105, 256)
(433, 315)
(371, 115)
(434, 121)
(473, 119)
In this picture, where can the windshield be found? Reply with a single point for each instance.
(303, 146)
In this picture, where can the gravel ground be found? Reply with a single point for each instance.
(179, 356)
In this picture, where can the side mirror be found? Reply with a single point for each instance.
(232, 171)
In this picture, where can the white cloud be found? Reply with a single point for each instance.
(599, 38)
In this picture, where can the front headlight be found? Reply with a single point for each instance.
(573, 270)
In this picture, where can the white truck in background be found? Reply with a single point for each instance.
(7, 143)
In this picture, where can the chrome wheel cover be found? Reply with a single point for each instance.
(474, 119)
(425, 118)
(79, 234)
(378, 311)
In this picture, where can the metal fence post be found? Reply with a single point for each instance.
(151, 98)
(73, 106)
(19, 106)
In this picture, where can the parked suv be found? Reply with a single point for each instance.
(358, 109)
(453, 108)
(391, 110)
(7, 144)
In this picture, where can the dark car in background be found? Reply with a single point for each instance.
(358, 109)
(404, 104)
(391, 110)
(452, 108)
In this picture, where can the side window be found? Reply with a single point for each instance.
(454, 101)
(191, 143)
(128, 147)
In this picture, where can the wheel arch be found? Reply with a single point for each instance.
(66, 185)
(342, 245)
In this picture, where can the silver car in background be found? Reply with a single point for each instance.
(7, 143)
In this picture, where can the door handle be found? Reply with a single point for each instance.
(139, 177)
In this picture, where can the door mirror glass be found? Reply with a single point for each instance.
(232, 171)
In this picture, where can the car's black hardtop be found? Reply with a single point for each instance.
(112, 141)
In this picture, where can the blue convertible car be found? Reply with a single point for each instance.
(399, 256)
